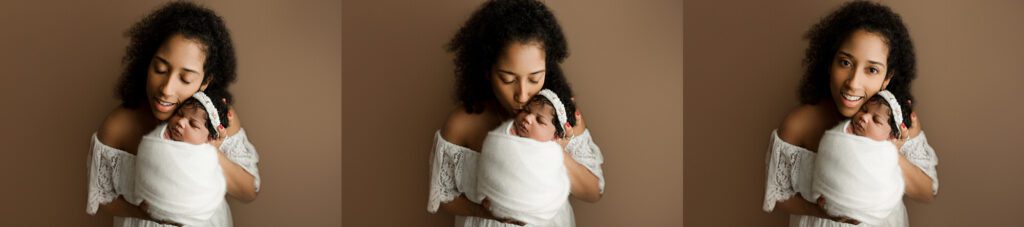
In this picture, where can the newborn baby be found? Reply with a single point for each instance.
(857, 165)
(177, 170)
(521, 168)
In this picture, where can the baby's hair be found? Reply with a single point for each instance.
(904, 106)
(220, 101)
(570, 111)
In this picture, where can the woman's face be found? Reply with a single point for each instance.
(518, 75)
(858, 70)
(175, 73)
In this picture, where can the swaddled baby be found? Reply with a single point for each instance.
(177, 170)
(521, 168)
(857, 165)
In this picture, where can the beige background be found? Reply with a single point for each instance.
(625, 66)
(743, 69)
(61, 61)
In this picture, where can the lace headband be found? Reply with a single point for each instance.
(897, 111)
(559, 107)
(210, 110)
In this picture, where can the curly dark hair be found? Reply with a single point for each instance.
(905, 106)
(564, 93)
(176, 18)
(826, 37)
(219, 102)
(483, 38)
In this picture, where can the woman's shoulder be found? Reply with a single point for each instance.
(461, 126)
(120, 127)
(805, 123)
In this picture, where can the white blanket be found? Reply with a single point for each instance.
(523, 179)
(180, 182)
(860, 178)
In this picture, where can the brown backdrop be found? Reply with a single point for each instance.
(61, 61)
(625, 67)
(743, 68)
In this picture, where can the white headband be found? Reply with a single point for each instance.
(559, 107)
(210, 110)
(897, 111)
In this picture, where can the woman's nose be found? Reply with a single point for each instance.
(521, 93)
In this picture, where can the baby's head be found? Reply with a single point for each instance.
(875, 118)
(539, 119)
(192, 122)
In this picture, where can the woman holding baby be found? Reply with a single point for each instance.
(854, 53)
(505, 54)
(174, 52)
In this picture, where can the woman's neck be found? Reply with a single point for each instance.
(145, 118)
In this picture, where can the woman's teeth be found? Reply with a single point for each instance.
(852, 98)
(166, 103)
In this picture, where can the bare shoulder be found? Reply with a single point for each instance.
(119, 128)
(804, 124)
(463, 128)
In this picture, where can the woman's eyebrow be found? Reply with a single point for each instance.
(844, 53)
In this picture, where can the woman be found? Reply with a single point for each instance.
(505, 54)
(179, 49)
(858, 50)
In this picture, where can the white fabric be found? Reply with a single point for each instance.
(453, 169)
(789, 166)
(859, 176)
(111, 173)
(180, 182)
(524, 179)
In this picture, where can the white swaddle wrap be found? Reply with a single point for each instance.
(180, 182)
(523, 179)
(859, 177)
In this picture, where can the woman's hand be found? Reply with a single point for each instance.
(821, 204)
(486, 203)
(145, 209)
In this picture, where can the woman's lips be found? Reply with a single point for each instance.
(850, 101)
(162, 106)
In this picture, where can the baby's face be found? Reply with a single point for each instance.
(872, 121)
(535, 121)
(188, 124)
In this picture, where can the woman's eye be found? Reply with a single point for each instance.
(873, 70)
(845, 62)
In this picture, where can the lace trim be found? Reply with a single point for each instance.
(239, 150)
(583, 149)
(109, 173)
(447, 165)
(786, 163)
(918, 152)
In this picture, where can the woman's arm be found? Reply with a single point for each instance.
(584, 184)
(240, 183)
(918, 183)
(122, 208)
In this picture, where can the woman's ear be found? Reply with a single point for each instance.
(206, 83)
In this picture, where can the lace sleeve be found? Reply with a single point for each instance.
(583, 149)
(923, 156)
(789, 171)
(239, 150)
(110, 174)
(452, 172)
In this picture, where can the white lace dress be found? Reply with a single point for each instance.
(789, 172)
(111, 174)
(453, 172)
